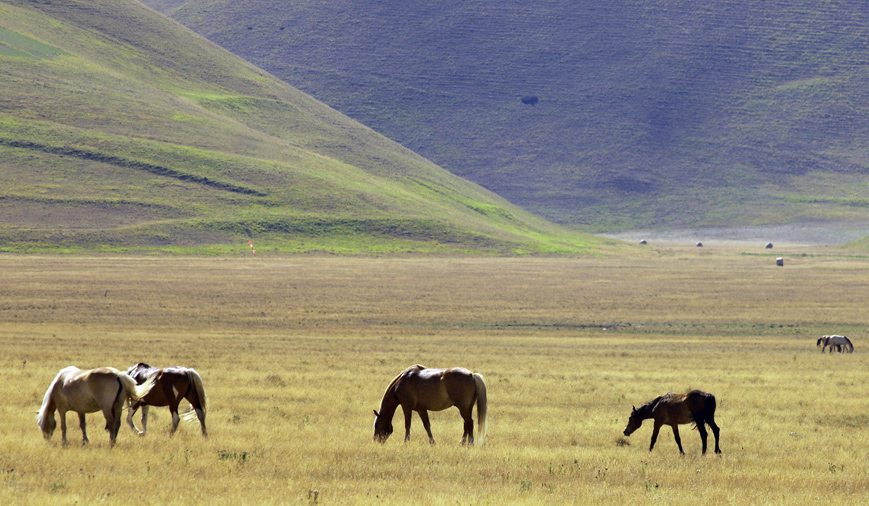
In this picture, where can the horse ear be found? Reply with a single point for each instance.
(376, 413)
(634, 409)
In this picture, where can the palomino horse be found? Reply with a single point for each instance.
(171, 385)
(838, 342)
(671, 409)
(104, 389)
(423, 390)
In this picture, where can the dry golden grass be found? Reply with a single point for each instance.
(295, 353)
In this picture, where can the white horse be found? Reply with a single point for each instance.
(839, 342)
(104, 389)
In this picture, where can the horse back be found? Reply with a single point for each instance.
(141, 372)
(459, 382)
(684, 408)
(88, 391)
(170, 387)
(701, 404)
(435, 389)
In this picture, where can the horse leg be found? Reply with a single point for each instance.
(133, 409)
(63, 440)
(715, 430)
(84, 432)
(655, 431)
(175, 418)
(468, 434)
(423, 415)
(407, 414)
(701, 428)
(113, 426)
(144, 419)
(678, 439)
(113, 421)
(196, 404)
(201, 415)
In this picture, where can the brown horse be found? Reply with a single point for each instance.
(172, 385)
(672, 409)
(423, 390)
(104, 389)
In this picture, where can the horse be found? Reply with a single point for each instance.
(671, 409)
(422, 390)
(171, 385)
(823, 342)
(104, 389)
(839, 342)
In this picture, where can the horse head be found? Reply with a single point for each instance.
(141, 366)
(382, 428)
(634, 422)
(47, 423)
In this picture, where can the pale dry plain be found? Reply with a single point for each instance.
(296, 352)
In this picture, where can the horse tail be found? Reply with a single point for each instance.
(709, 407)
(46, 411)
(135, 392)
(482, 408)
(196, 382)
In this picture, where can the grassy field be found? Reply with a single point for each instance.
(296, 351)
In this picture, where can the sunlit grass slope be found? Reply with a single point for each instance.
(122, 130)
(647, 114)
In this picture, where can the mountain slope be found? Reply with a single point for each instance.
(635, 114)
(120, 129)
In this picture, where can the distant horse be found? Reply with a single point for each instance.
(672, 409)
(841, 343)
(422, 390)
(104, 389)
(171, 385)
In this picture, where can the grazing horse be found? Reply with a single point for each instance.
(672, 409)
(104, 389)
(171, 385)
(422, 390)
(834, 341)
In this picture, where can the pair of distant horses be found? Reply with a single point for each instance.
(838, 343)
(108, 390)
(422, 390)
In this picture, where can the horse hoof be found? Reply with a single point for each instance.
(141, 433)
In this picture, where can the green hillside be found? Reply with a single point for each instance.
(636, 114)
(121, 130)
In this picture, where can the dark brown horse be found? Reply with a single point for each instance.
(423, 390)
(693, 407)
(171, 386)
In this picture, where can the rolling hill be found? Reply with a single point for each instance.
(122, 130)
(599, 115)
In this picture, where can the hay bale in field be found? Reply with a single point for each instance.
(780, 261)
(769, 245)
